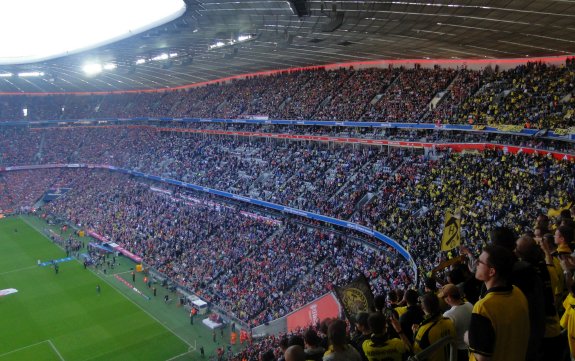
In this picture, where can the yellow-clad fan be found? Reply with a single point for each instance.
(433, 328)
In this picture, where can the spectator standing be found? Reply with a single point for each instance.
(362, 332)
(525, 277)
(413, 314)
(339, 349)
(460, 314)
(379, 346)
(433, 328)
(552, 342)
(568, 320)
(313, 349)
(295, 353)
(192, 315)
(499, 327)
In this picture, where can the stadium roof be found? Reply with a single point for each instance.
(298, 33)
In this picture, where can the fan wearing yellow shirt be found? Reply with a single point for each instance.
(433, 328)
(499, 328)
(413, 315)
(380, 348)
(568, 320)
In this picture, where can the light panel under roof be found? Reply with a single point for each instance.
(41, 30)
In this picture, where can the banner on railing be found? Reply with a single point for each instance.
(509, 129)
(115, 246)
(457, 147)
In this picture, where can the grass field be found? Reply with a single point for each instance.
(62, 317)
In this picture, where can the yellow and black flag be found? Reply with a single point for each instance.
(355, 297)
(451, 232)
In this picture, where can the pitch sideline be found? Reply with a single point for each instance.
(50, 343)
(123, 295)
(18, 270)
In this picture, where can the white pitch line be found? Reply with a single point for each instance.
(149, 314)
(178, 356)
(17, 270)
(119, 273)
(23, 348)
(121, 293)
(55, 350)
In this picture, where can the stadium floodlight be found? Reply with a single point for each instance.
(163, 56)
(62, 27)
(219, 44)
(5, 75)
(29, 74)
(240, 39)
(92, 69)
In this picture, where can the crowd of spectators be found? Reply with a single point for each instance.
(408, 97)
(466, 83)
(257, 269)
(535, 95)
(21, 190)
(519, 288)
(350, 100)
(394, 191)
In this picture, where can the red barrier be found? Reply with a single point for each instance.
(457, 147)
(311, 314)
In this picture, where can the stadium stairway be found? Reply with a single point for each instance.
(438, 98)
(356, 171)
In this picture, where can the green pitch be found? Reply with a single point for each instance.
(63, 317)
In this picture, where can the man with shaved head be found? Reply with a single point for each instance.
(294, 353)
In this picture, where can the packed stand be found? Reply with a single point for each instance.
(392, 192)
(489, 189)
(509, 301)
(409, 95)
(223, 260)
(466, 83)
(534, 95)
(21, 190)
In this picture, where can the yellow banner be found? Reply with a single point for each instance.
(554, 212)
(451, 233)
(560, 131)
(509, 127)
